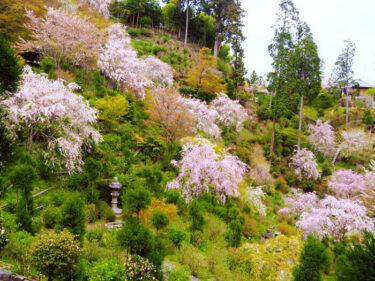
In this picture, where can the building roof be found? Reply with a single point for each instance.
(363, 84)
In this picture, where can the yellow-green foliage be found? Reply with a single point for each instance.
(260, 167)
(13, 19)
(203, 74)
(156, 204)
(272, 260)
(113, 108)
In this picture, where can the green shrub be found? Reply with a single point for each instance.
(314, 259)
(196, 216)
(73, 216)
(10, 69)
(56, 255)
(77, 181)
(326, 170)
(234, 234)
(105, 211)
(176, 236)
(90, 213)
(94, 235)
(367, 117)
(159, 49)
(136, 200)
(178, 275)
(47, 67)
(324, 101)
(358, 261)
(263, 112)
(51, 216)
(159, 220)
(146, 21)
(107, 270)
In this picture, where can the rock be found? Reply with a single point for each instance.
(111, 225)
(17, 278)
(5, 275)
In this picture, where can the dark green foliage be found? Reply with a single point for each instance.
(233, 236)
(135, 236)
(105, 211)
(172, 152)
(367, 117)
(6, 143)
(72, 215)
(23, 178)
(77, 181)
(176, 236)
(263, 112)
(313, 260)
(47, 67)
(324, 101)
(197, 93)
(196, 216)
(357, 263)
(51, 216)
(10, 70)
(157, 252)
(136, 200)
(153, 178)
(326, 170)
(159, 220)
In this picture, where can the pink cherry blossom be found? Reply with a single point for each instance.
(304, 165)
(202, 168)
(322, 137)
(50, 110)
(346, 183)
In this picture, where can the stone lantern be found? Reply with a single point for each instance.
(115, 188)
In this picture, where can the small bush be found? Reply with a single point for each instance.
(56, 255)
(107, 270)
(94, 235)
(51, 216)
(138, 268)
(176, 236)
(105, 211)
(159, 219)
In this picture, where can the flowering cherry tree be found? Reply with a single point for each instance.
(202, 168)
(299, 202)
(119, 62)
(254, 197)
(49, 110)
(62, 35)
(329, 216)
(368, 193)
(322, 137)
(354, 141)
(346, 183)
(230, 112)
(335, 217)
(304, 165)
(204, 116)
(101, 6)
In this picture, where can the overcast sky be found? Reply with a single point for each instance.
(331, 22)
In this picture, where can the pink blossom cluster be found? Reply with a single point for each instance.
(101, 6)
(299, 202)
(62, 35)
(354, 141)
(119, 62)
(230, 112)
(322, 137)
(205, 117)
(202, 168)
(346, 183)
(304, 165)
(335, 217)
(48, 108)
(329, 216)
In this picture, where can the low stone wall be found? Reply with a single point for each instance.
(6, 275)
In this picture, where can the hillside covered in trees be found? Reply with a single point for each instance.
(136, 146)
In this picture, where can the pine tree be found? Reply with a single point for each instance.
(343, 72)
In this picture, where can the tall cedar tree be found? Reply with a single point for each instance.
(305, 80)
(343, 72)
(236, 38)
(280, 50)
(222, 12)
(10, 70)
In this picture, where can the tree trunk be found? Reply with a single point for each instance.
(270, 104)
(216, 46)
(300, 124)
(187, 23)
(347, 108)
(336, 156)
